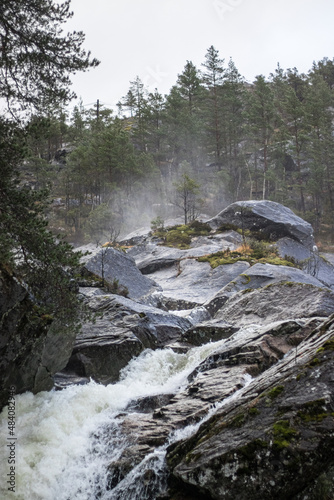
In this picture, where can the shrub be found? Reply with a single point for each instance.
(199, 228)
(157, 224)
(178, 238)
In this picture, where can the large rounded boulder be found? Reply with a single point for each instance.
(271, 219)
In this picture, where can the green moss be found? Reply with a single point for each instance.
(314, 411)
(283, 433)
(247, 279)
(160, 233)
(253, 411)
(245, 254)
(192, 457)
(243, 232)
(312, 418)
(224, 258)
(329, 345)
(237, 421)
(198, 228)
(314, 362)
(227, 227)
(275, 392)
(48, 318)
(276, 261)
(178, 238)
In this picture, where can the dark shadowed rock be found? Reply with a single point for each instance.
(32, 346)
(272, 219)
(102, 350)
(209, 331)
(275, 440)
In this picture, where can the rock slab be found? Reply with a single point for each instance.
(115, 266)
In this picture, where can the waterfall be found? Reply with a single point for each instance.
(66, 439)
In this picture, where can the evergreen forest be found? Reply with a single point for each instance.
(212, 140)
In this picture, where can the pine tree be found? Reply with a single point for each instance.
(320, 148)
(233, 129)
(187, 192)
(183, 117)
(37, 59)
(261, 121)
(297, 124)
(212, 78)
(35, 67)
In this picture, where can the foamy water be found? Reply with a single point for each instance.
(59, 455)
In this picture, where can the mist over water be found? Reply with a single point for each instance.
(66, 439)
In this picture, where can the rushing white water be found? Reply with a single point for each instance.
(59, 453)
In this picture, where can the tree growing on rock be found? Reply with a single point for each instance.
(187, 197)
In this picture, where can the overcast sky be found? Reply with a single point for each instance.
(154, 38)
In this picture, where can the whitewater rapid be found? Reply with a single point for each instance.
(61, 449)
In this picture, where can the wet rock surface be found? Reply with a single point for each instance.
(276, 302)
(122, 331)
(269, 218)
(32, 346)
(287, 351)
(259, 276)
(311, 261)
(277, 437)
(192, 283)
(115, 267)
(261, 391)
(254, 417)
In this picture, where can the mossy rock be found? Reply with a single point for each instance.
(251, 256)
(178, 238)
(227, 227)
(199, 228)
(283, 433)
(275, 392)
(249, 450)
(329, 345)
(314, 411)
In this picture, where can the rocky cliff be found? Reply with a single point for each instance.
(33, 347)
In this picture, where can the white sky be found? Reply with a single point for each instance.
(154, 38)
